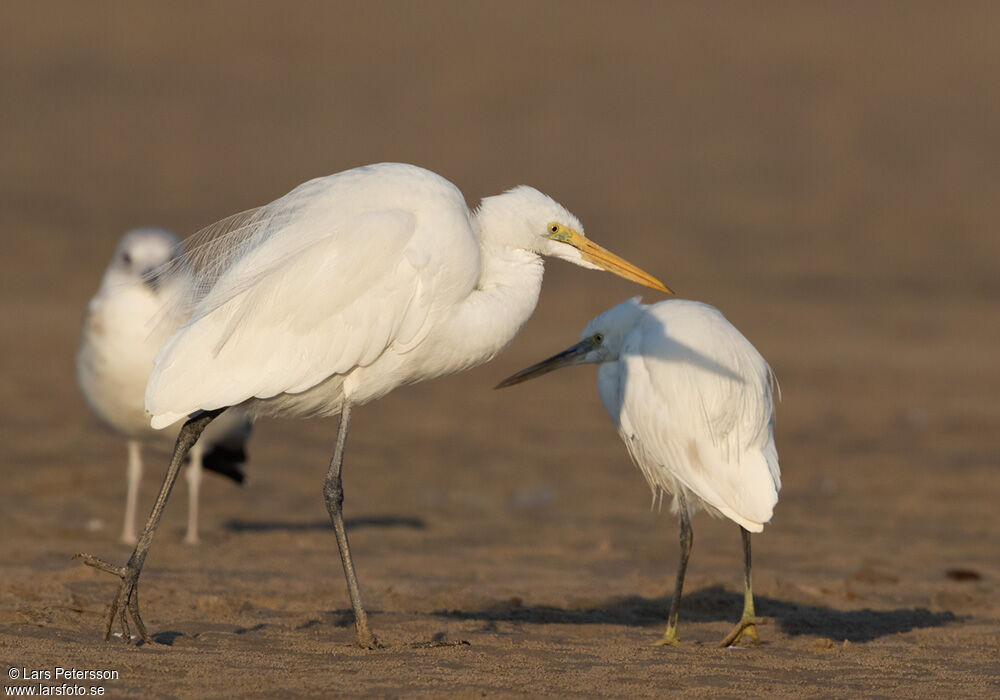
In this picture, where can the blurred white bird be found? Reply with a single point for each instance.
(127, 321)
(692, 400)
(342, 290)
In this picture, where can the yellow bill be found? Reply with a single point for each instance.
(605, 259)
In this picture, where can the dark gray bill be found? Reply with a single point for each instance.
(570, 356)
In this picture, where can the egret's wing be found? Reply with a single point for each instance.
(295, 308)
(697, 403)
(286, 226)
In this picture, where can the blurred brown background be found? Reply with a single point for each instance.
(826, 174)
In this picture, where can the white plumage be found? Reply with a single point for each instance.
(692, 400)
(127, 320)
(354, 284)
(344, 289)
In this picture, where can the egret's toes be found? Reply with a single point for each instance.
(369, 641)
(125, 602)
(133, 609)
(745, 627)
(91, 560)
(669, 639)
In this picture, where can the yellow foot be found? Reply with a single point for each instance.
(746, 626)
(669, 639)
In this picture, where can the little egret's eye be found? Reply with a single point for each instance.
(554, 228)
(598, 338)
(126, 258)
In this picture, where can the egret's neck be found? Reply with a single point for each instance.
(489, 318)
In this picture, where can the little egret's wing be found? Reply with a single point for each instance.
(343, 289)
(697, 408)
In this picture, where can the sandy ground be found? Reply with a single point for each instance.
(825, 174)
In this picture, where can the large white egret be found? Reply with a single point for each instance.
(335, 294)
(127, 321)
(692, 400)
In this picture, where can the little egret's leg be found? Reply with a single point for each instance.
(669, 637)
(193, 476)
(333, 492)
(134, 475)
(126, 601)
(747, 622)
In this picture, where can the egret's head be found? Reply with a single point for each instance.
(140, 254)
(608, 330)
(533, 221)
(600, 342)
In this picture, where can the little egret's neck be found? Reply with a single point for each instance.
(489, 318)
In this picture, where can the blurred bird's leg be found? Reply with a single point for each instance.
(134, 477)
(747, 622)
(669, 637)
(333, 492)
(126, 601)
(193, 476)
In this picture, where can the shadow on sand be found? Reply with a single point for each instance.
(714, 603)
(165, 638)
(349, 523)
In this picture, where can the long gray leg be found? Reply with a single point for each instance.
(669, 637)
(127, 598)
(748, 620)
(333, 492)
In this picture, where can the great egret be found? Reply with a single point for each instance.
(124, 327)
(692, 400)
(335, 294)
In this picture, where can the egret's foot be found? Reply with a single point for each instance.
(126, 601)
(746, 626)
(669, 639)
(369, 642)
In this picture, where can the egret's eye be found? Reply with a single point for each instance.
(126, 258)
(598, 338)
(557, 232)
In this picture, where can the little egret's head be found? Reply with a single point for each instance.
(600, 342)
(533, 221)
(141, 252)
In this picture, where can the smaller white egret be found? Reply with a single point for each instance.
(692, 400)
(332, 296)
(126, 322)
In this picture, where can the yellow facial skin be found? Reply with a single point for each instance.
(603, 258)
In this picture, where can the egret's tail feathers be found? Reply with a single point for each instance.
(744, 491)
(748, 525)
(161, 421)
